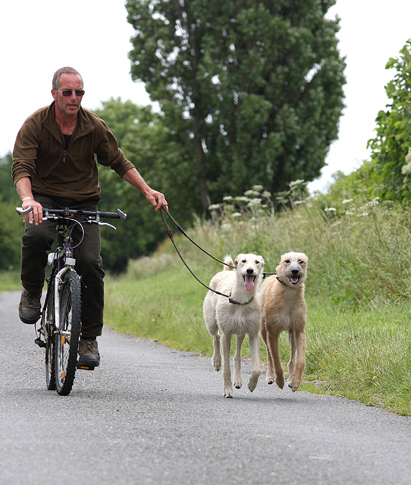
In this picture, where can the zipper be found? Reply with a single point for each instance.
(64, 156)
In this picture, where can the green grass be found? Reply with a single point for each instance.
(358, 288)
(10, 281)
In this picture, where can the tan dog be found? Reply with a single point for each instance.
(283, 308)
(237, 315)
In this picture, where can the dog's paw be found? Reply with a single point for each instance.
(252, 383)
(216, 363)
(293, 385)
(228, 393)
(238, 383)
(280, 381)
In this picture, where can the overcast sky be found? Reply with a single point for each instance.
(38, 37)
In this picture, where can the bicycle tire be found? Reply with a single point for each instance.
(68, 335)
(48, 328)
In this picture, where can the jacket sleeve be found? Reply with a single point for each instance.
(25, 151)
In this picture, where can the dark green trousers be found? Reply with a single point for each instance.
(38, 240)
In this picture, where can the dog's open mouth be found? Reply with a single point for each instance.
(294, 280)
(249, 282)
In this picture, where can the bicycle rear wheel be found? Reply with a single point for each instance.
(68, 335)
(48, 329)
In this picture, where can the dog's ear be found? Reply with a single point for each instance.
(261, 259)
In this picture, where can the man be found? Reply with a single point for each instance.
(54, 166)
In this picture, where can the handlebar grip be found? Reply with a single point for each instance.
(22, 211)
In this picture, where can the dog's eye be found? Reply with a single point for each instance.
(244, 261)
(300, 262)
(257, 262)
(288, 261)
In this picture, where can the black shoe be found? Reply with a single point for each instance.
(29, 307)
(88, 354)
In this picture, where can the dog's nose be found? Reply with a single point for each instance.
(294, 271)
(250, 271)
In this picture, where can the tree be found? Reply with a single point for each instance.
(252, 90)
(390, 167)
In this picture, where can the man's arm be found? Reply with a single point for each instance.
(156, 199)
(23, 187)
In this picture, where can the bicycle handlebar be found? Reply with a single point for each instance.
(92, 216)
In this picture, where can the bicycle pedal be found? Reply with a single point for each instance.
(84, 367)
(40, 342)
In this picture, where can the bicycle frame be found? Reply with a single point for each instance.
(64, 262)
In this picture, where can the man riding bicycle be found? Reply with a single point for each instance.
(55, 166)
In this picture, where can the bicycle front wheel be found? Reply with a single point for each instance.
(68, 335)
(48, 329)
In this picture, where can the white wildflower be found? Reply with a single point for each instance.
(242, 199)
(227, 198)
(236, 214)
(251, 193)
(213, 207)
(330, 209)
(347, 201)
(266, 194)
(254, 202)
(258, 188)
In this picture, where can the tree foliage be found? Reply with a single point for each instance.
(251, 91)
(11, 225)
(147, 143)
(390, 168)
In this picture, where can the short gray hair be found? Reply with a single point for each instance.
(59, 72)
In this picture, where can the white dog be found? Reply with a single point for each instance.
(235, 310)
(283, 307)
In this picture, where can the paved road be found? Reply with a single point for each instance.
(151, 415)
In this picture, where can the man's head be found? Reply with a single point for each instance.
(67, 90)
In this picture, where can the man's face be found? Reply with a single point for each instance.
(68, 105)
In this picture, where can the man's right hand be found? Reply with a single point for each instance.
(36, 215)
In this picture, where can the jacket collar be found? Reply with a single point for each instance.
(83, 126)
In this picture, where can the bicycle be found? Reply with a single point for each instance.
(59, 329)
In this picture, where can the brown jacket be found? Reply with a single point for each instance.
(39, 153)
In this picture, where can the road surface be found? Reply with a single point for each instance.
(152, 415)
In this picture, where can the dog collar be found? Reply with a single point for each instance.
(282, 282)
(234, 302)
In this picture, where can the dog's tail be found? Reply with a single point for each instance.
(228, 263)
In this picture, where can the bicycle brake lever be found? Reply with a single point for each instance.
(105, 224)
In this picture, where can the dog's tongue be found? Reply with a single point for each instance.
(249, 282)
(294, 280)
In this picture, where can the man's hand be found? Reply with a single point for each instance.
(36, 215)
(157, 200)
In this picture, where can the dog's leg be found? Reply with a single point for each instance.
(270, 363)
(299, 368)
(226, 342)
(293, 350)
(254, 344)
(238, 382)
(216, 359)
(274, 368)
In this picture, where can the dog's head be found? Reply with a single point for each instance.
(250, 269)
(292, 270)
